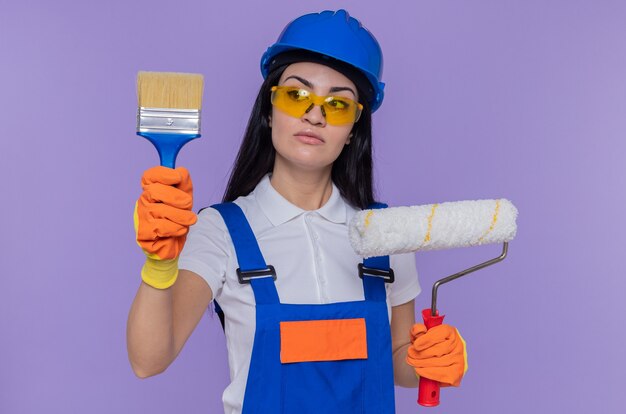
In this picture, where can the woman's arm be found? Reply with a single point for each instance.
(402, 319)
(161, 321)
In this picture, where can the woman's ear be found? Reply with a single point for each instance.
(269, 120)
(349, 138)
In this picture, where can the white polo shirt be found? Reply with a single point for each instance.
(311, 253)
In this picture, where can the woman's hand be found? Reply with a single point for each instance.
(162, 219)
(161, 319)
(438, 353)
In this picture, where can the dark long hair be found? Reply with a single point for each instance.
(351, 171)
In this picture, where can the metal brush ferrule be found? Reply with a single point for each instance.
(168, 121)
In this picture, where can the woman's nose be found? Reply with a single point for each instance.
(315, 115)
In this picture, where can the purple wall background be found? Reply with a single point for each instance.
(518, 99)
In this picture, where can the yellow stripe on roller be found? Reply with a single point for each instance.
(367, 217)
(493, 221)
(430, 225)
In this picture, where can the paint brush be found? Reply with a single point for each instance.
(169, 111)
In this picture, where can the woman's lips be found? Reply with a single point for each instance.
(309, 138)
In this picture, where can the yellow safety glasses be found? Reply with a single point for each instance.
(296, 102)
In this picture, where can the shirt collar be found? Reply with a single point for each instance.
(279, 210)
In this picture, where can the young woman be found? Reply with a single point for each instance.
(307, 328)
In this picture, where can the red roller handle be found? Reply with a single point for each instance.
(428, 395)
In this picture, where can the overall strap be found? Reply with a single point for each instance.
(375, 272)
(252, 267)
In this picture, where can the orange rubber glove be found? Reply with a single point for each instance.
(438, 353)
(162, 219)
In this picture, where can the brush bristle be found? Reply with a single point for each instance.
(170, 90)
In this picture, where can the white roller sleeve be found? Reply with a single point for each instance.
(433, 226)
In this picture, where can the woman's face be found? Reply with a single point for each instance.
(308, 142)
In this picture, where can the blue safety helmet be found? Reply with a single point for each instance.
(339, 36)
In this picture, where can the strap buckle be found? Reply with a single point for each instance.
(387, 275)
(245, 276)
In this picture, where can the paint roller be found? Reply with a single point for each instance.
(448, 225)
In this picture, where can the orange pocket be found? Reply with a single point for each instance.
(323, 340)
